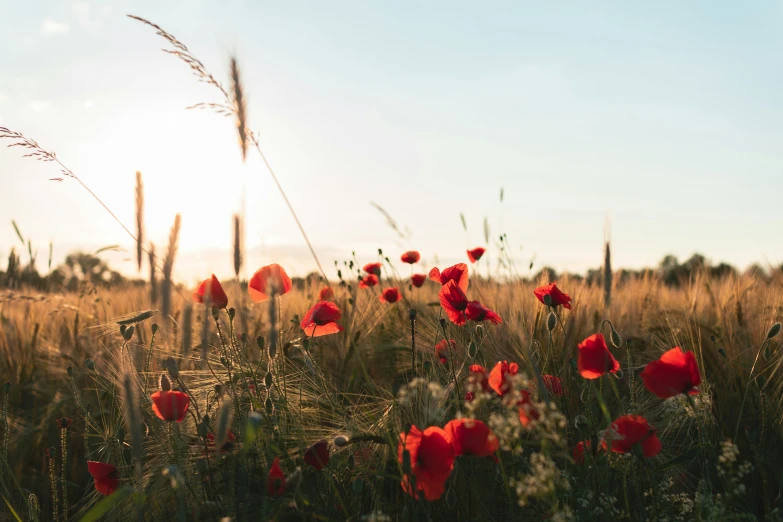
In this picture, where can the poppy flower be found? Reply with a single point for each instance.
(594, 358)
(275, 481)
(410, 257)
(553, 384)
(457, 273)
(104, 475)
(322, 319)
(418, 280)
(373, 268)
(170, 406)
(629, 430)
(63, 423)
(556, 297)
(478, 377)
(226, 445)
(317, 455)
(527, 412)
(474, 254)
(454, 302)
(579, 451)
(478, 312)
(268, 281)
(471, 437)
(444, 348)
(389, 295)
(210, 290)
(431, 461)
(368, 281)
(326, 293)
(499, 376)
(674, 373)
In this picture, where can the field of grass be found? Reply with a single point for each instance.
(65, 356)
(138, 402)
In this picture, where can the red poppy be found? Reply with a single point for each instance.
(498, 377)
(317, 455)
(594, 358)
(579, 451)
(553, 384)
(226, 445)
(556, 297)
(478, 377)
(431, 461)
(389, 295)
(527, 412)
(474, 254)
(471, 437)
(629, 430)
(275, 481)
(268, 281)
(368, 281)
(322, 319)
(373, 268)
(418, 280)
(674, 373)
(454, 302)
(410, 257)
(457, 273)
(444, 349)
(478, 312)
(326, 293)
(105, 476)
(170, 406)
(210, 290)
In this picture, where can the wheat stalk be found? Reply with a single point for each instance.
(139, 219)
(168, 267)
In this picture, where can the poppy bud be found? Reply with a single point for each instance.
(412, 314)
(616, 339)
(618, 374)
(215, 313)
(761, 381)
(154, 328)
(260, 342)
(243, 337)
(547, 299)
(70, 371)
(172, 367)
(340, 441)
(164, 383)
(128, 333)
(380, 252)
(773, 331)
(551, 321)
(219, 390)
(479, 332)
(427, 366)
(268, 379)
(442, 322)
(272, 350)
(581, 422)
(268, 406)
(472, 349)
(89, 364)
(122, 330)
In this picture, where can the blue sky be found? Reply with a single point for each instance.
(667, 117)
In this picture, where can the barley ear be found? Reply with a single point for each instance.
(239, 106)
(139, 219)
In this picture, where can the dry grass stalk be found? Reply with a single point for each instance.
(239, 106)
(168, 268)
(153, 276)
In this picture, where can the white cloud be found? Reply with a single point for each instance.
(38, 105)
(50, 26)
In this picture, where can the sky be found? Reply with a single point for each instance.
(664, 118)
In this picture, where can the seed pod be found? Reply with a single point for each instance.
(551, 321)
(773, 331)
(164, 383)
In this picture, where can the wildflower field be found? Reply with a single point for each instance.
(362, 393)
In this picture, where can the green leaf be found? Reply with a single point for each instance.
(10, 507)
(107, 504)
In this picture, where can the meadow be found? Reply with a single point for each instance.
(367, 394)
